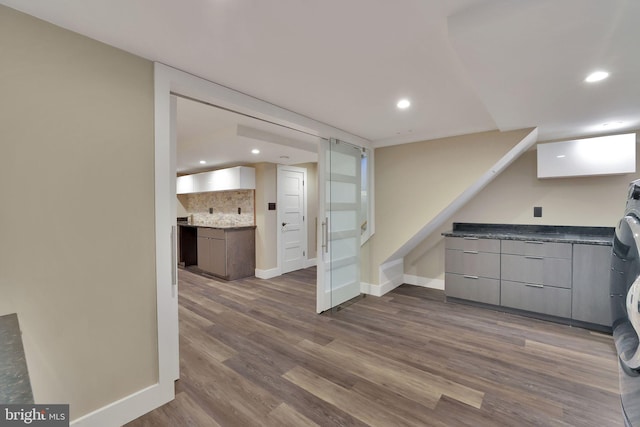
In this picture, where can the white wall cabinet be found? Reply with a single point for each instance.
(237, 178)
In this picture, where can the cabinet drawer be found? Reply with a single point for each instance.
(473, 244)
(472, 288)
(212, 233)
(537, 248)
(483, 264)
(537, 270)
(537, 298)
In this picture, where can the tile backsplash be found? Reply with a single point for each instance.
(225, 206)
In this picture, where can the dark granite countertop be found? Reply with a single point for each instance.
(218, 227)
(544, 233)
(15, 386)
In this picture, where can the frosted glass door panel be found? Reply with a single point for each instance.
(343, 211)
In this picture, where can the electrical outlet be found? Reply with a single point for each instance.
(210, 210)
(239, 211)
(537, 211)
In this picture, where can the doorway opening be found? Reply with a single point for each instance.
(170, 83)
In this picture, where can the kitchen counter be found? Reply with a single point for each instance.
(544, 233)
(225, 251)
(15, 386)
(217, 227)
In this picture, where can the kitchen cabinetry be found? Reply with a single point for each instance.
(472, 269)
(536, 276)
(227, 253)
(237, 178)
(591, 269)
(564, 280)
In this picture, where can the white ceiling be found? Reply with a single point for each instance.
(466, 65)
(222, 139)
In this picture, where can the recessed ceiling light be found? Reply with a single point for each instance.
(561, 156)
(255, 151)
(403, 104)
(596, 76)
(202, 162)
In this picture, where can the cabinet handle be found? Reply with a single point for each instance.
(534, 242)
(470, 238)
(470, 277)
(470, 252)
(533, 286)
(533, 257)
(616, 295)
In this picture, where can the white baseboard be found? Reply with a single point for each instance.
(425, 282)
(275, 272)
(268, 274)
(377, 290)
(391, 276)
(128, 408)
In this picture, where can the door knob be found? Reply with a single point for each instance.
(284, 223)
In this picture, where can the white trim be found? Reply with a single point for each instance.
(391, 276)
(169, 80)
(371, 221)
(131, 407)
(391, 273)
(268, 274)
(436, 222)
(126, 409)
(424, 282)
(378, 290)
(275, 272)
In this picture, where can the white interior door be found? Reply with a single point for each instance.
(339, 235)
(292, 217)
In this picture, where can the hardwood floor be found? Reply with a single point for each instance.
(254, 353)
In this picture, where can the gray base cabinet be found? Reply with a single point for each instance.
(227, 253)
(473, 288)
(536, 298)
(563, 280)
(591, 267)
(472, 269)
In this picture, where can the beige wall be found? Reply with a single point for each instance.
(414, 182)
(266, 227)
(76, 125)
(510, 198)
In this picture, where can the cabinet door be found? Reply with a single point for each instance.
(473, 244)
(537, 270)
(204, 253)
(472, 288)
(591, 267)
(537, 248)
(536, 298)
(472, 263)
(218, 257)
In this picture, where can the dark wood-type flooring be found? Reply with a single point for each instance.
(254, 353)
